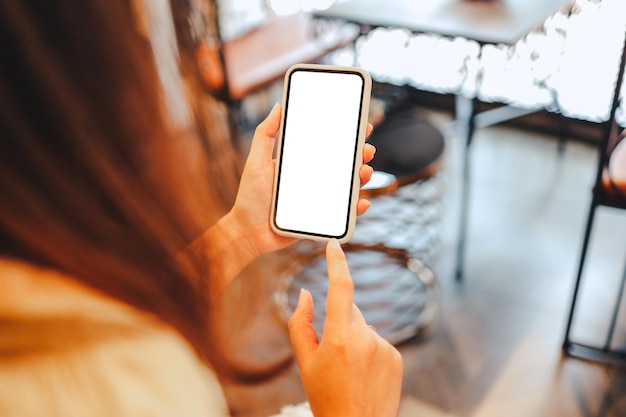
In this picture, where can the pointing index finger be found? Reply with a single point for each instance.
(340, 286)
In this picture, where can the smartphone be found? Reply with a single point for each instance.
(319, 152)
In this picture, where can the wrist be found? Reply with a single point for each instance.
(238, 234)
(226, 249)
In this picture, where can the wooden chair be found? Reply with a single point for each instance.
(239, 67)
(609, 191)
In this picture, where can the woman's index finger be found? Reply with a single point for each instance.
(340, 286)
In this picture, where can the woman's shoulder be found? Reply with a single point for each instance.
(68, 350)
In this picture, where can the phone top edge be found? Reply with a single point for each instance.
(329, 68)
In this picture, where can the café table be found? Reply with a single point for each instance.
(485, 21)
(499, 22)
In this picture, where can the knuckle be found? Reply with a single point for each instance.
(337, 342)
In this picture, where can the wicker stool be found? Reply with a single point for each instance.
(394, 242)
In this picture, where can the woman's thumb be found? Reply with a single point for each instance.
(301, 330)
(262, 145)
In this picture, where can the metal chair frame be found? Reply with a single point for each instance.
(600, 197)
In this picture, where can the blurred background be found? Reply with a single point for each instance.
(498, 198)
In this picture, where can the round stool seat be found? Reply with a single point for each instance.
(407, 146)
(396, 293)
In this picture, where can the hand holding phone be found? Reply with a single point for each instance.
(319, 152)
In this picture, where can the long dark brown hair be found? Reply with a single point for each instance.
(92, 181)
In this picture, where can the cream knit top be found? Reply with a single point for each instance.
(67, 350)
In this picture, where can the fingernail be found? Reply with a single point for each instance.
(302, 295)
(334, 243)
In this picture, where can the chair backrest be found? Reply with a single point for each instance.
(614, 172)
(612, 133)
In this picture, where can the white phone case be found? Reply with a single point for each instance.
(346, 232)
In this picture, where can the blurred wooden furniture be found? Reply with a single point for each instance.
(609, 190)
(265, 54)
(239, 67)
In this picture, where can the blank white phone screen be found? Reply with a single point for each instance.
(320, 136)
